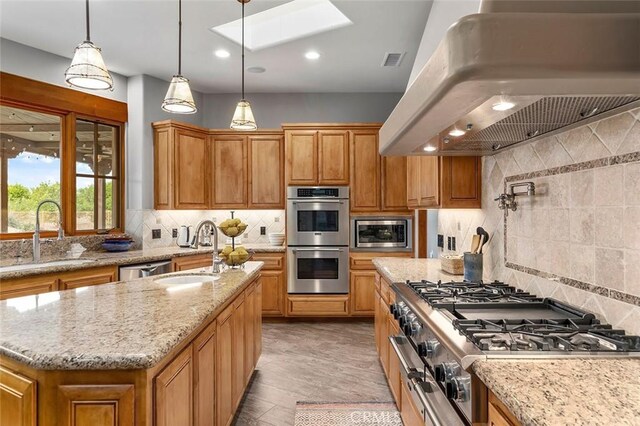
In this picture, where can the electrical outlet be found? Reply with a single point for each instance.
(453, 243)
(174, 233)
(276, 219)
(441, 241)
(263, 230)
(156, 234)
(245, 236)
(448, 243)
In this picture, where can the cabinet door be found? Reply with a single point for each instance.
(365, 171)
(28, 286)
(394, 183)
(174, 392)
(190, 189)
(410, 414)
(266, 172)
(97, 405)
(184, 263)
(413, 181)
(461, 182)
(224, 367)
(18, 399)
(333, 157)
(395, 378)
(238, 375)
(429, 182)
(229, 159)
(162, 169)
(376, 320)
(88, 277)
(273, 293)
(363, 291)
(249, 330)
(257, 323)
(301, 148)
(204, 373)
(384, 334)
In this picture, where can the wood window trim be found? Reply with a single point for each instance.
(69, 105)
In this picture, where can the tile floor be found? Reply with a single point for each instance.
(312, 361)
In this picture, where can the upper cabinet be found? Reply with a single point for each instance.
(302, 157)
(333, 157)
(196, 168)
(444, 182)
(365, 171)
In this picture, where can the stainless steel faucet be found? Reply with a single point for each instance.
(217, 261)
(508, 202)
(36, 233)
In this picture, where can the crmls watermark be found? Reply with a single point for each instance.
(373, 417)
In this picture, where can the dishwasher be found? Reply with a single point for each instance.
(142, 270)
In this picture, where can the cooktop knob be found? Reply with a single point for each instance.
(429, 348)
(459, 389)
(402, 320)
(438, 371)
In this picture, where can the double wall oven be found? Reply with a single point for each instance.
(318, 240)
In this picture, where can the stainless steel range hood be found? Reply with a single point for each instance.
(559, 63)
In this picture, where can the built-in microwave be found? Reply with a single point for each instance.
(381, 233)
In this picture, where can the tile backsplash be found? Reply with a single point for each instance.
(141, 223)
(578, 238)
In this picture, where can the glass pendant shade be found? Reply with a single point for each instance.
(243, 117)
(88, 69)
(179, 99)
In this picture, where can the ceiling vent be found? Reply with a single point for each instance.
(392, 59)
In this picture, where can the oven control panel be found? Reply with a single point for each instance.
(318, 192)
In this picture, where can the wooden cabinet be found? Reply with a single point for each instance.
(362, 293)
(257, 323)
(83, 278)
(301, 147)
(38, 284)
(180, 167)
(237, 350)
(196, 168)
(409, 413)
(224, 367)
(18, 399)
(266, 171)
(185, 263)
(499, 414)
(204, 377)
(97, 405)
(395, 376)
(249, 331)
(333, 157)
(229, 171)
(394, 183)
(365, 171)
(273, 286)
(173, 392)
(318, 306)
(444, 182)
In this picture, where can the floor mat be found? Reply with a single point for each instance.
(347, 414)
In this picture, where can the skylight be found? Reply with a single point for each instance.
(285, 23)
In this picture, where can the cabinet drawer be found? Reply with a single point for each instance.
(272, 261)
(27, 286)
(192, 262)
(88, 277)
(318, 306)
(364, 260)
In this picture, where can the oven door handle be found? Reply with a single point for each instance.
(319, 249)
(318, 202)
(411, 373)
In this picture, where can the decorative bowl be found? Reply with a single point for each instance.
(232, 227)
(113, 246)
(237, 257)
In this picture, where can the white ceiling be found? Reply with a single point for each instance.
(140, 37)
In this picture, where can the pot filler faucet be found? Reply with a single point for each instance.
(36, 233)
(508, 201)
(217, 262)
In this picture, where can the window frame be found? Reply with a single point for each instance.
(69, 105)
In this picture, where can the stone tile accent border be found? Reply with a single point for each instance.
(590, 287)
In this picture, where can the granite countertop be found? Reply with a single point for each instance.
(566, 392)
(125, 325)
(124, 258)
(399, 270)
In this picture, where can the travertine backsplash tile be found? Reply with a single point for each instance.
(578, 239)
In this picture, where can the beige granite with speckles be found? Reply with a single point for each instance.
(398, 270)
(576, 392)
(123, 258)
(124, 325)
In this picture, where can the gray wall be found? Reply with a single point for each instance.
(20, 59)
(273, 109)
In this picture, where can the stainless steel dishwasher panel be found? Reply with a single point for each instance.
(142, 270)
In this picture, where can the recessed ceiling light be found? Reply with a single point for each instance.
(456, 132)
(503, 106)
(429, 148)
(221, 53)
(256, 70)
(312, 55)
(281, 24)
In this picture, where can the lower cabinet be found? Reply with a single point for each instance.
(88, 277)
(224, 367)
(499, 415)
(192, 262)
(409, 413)
(319, 306)
(174, 391)
(204, 374)
(17, 399)
(394, 377)
(274, 285)
(237, 345)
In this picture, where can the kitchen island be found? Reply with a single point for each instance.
(139, 352)
(528, 390)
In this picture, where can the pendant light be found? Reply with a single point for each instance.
(243, 116)
(179, 99)
(87, 69)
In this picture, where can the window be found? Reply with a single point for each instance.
(30, 168)
(97, 177)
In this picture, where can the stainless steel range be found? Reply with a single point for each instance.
(447, 326)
